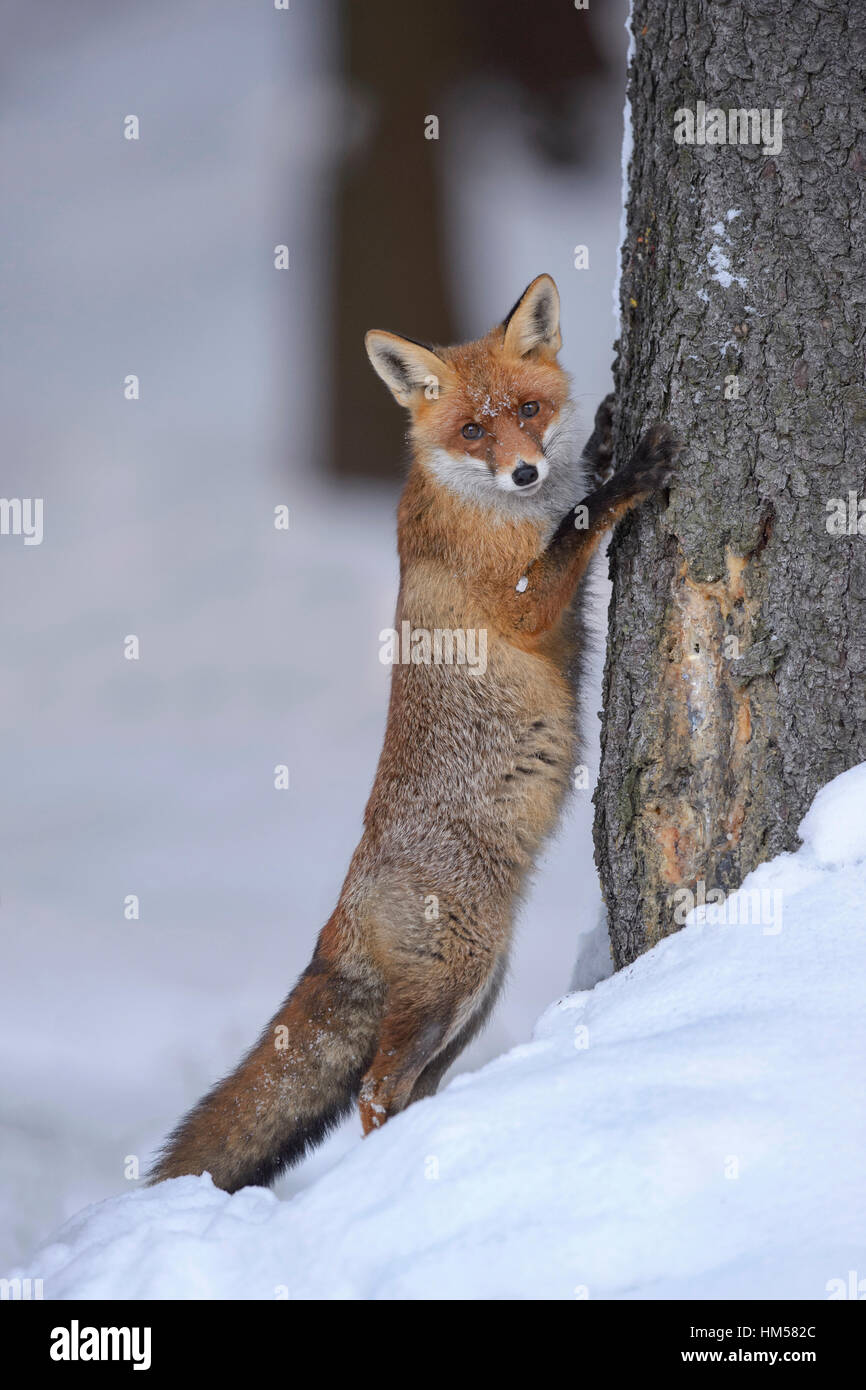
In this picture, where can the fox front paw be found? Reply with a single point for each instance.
(599, 449)
(654, 462)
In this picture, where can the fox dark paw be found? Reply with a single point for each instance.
(599, 446)
(603, 427)
(599, 449)
(654, 462)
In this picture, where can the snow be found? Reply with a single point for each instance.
(625, 164)
(720, 264)
(835, 825)
(691, 1127)
(718, 258)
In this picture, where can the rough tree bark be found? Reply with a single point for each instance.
(735, 683)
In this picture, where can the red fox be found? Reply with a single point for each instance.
(476, 763)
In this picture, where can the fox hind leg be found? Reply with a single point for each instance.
(421, 1037)
(427, 1083)
(406, 1043)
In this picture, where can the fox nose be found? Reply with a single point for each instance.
(524, 474)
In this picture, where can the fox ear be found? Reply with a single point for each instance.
(408, 369)
(533, 324)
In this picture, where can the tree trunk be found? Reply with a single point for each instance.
(734, 686)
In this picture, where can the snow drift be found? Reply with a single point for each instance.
(692, 1127)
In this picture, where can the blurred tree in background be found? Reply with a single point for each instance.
(404, 56)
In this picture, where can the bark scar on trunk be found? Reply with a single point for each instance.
(696, 788)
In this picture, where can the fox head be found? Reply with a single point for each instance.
(491, 419)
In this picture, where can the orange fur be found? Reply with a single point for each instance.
(474, 768)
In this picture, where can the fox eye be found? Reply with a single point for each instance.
(472, 431)
(529, 408)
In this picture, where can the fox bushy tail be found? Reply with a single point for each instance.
(297, 1082)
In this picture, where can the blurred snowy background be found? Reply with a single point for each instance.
(257, 647)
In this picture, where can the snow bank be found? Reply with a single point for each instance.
(834, 827)
(692, 1127)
